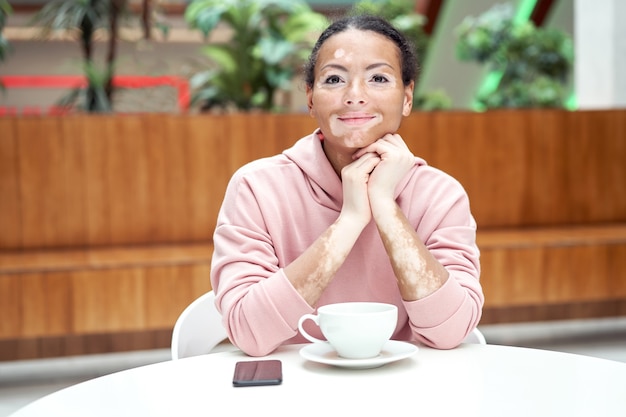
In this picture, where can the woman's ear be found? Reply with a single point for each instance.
(408, 99)
(309, 100)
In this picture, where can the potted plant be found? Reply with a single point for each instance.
(534, 63)
(270, 41)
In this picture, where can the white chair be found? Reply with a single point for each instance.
(476, 337)
(198, 330)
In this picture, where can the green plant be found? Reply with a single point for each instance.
(270, 41)
(86, 17)
(535, 63)
(5, 11)
(433, 100)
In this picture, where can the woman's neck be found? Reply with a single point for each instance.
(337, 158)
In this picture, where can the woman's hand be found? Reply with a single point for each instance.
(355, 177)
(395, 160)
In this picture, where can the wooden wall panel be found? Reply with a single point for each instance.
(614, 307)
(420, 134)
(251, 136)
(616, 256)
(290, 129)
(10, 207)
(576, 274)
(170, 181)
(596, 167)
(99, 300)
(205, 147)
(127, 177)
(553, 274)
(10, 306)
(43, 180)
(471, 148)
(168, 291)
(504, 284)
(489, 161)
(109, 301)
(96, 134)
(33, 304)
(74, 201)
(84, 344)
(106, 180)
(529, 168)
(545, 171)
(46, 305)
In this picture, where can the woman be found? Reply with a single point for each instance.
(348, 213)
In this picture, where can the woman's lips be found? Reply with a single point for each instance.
(356, 119)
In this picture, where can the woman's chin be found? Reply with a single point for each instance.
(358, 140)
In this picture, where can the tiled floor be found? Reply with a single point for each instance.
(24, 381)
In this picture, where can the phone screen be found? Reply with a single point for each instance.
(261, 372)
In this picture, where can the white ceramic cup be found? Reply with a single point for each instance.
(356, 330)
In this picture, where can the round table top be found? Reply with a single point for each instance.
(471, 380)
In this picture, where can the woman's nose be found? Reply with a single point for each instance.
(355, 94)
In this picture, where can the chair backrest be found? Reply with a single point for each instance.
(476, 337)
(198, 329)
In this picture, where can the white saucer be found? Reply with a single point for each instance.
(393, 350)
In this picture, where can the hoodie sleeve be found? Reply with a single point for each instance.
(444, 318)
(260, 307)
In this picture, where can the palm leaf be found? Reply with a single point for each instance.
(222, 55)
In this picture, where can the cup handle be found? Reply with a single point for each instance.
(315, 319)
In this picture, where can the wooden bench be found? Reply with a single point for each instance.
(80, 301)
(106, 221)
(553, 273)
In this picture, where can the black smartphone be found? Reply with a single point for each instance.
(260, 372)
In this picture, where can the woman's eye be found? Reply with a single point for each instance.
(333, 79)
(379, 79)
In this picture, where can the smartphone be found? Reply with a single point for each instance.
(260, 372)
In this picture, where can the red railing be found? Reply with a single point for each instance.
(77, 81)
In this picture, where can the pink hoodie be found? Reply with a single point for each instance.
(274, 208)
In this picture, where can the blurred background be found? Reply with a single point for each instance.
(156, 38)
(122, 121)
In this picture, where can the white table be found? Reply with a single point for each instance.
(472, 380)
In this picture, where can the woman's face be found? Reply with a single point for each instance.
(358, 95)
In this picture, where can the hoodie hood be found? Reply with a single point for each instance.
(325, 185)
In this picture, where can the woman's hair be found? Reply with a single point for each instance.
(375, 24)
